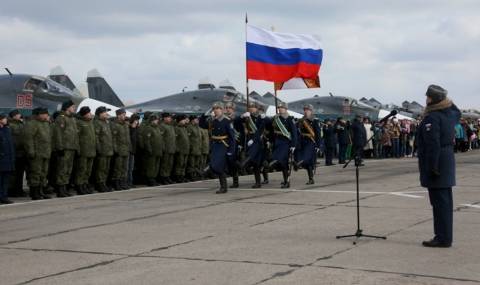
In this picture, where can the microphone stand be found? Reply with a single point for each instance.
(359, 233)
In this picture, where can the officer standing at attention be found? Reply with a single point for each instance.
(195, 155)
(222, 143)
(17, 128)
(436, 160)
(86, 154)
(329, 141)
(65, 145)
(309, 142)
(183, 148)
(254, 127)
(152, 149)
(104, 144)
(121, 150)
(169, 142)
(38, 147)
(284, 142)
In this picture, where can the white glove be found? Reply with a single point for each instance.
(292, 149)
(246, 115)
(249, 143)
(229, 153)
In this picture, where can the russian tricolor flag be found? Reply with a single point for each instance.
(279, 57)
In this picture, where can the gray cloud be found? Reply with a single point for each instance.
(390, 50)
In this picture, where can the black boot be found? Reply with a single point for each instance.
(86, 189)
(79, 190)
(151, 182)
(42, 194)
(124, 184)
(310, 176)
(235, 181)
(256, 173)
(105, 188)
(35, 193)
(285, 183)
(62, 192)
(265, 175)
(161, 181)
(223, 185)
(116, 185)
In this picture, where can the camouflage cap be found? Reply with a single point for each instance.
(216, 105)
(308, 107)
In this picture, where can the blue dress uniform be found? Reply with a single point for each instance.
(238, 132)
(308, 143)
(436, 160)
(330, 143)
(222, 145)
(282, 144)
(254, 126)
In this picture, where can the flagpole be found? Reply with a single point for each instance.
(246, 60)
(276, 100)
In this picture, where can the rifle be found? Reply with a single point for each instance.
(290, 165)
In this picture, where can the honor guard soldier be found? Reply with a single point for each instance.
(38, 148)
(222, 144)
(254, 126)
(436, 160)
(121, 150)
(308, 142)
(195, 155)
(17, 127)
(238, 130)
(267, 146)
(152, 149)
(183, 148)
(169, 143)
(87, 151)
(65, 145)
(104, 148)
(284, 142)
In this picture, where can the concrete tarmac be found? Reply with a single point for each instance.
(186, 234)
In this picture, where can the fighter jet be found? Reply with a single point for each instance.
(26, 92)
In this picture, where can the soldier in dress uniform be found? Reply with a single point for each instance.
(17, 126)
(308, 142)
(222, 143)
(183, 148)
(38, 148)
(104, 148)
(65, 145)
(195, 155)
(169, 142)
(254, 126)
(121, 150)
(238, 130)
(284, 142)
(87, 151)
(436, 161)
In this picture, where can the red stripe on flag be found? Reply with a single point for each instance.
(281, 73)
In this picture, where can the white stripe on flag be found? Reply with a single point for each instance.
(281, 40)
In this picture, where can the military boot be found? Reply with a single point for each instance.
(62, 192)
(35, 193)
(161, 181)
(235, 182)
(79, 190)
(168, 180)
(86, 189)
(151, 182)
(99, 188)
(256, 174)
(223, 185)
(116, 185)
(42, 194)
(310, 176)
(285, 184)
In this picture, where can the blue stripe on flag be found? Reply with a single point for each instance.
(290, 56)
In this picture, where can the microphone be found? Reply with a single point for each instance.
(392, 113)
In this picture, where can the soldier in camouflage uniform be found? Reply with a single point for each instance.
(18, 127)
(121, 150)
(183, 148)
(65, 145)
(38, 142)
(152, 142)
(195, 155)
(205, 149)
(169, 141)
(86, 154)
(104, 148)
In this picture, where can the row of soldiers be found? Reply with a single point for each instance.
(94, 152)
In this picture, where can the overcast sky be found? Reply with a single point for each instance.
(390, 50)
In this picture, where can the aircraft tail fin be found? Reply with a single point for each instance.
(99, 89)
